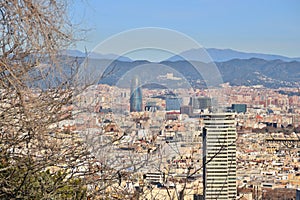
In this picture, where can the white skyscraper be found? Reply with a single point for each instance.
(219, 154)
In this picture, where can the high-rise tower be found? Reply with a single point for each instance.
(136, 97)
(219, 156)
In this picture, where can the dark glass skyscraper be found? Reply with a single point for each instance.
(136, 97)
(173, 103)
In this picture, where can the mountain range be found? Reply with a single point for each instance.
(248, 72)
(222, 55)
(237, 68)
(213, 54)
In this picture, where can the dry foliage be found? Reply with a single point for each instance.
(37, 160)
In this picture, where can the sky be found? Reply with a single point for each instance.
(263, 26)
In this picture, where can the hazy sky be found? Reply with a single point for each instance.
(271, 26)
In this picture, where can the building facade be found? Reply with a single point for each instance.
(136, 96)
(219, 156)
(188, 110)
(201, 103)
(173, 103)
(239, 108)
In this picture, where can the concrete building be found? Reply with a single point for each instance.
(219, 154)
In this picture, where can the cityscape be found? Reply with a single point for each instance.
(249, 149)
(152, 100)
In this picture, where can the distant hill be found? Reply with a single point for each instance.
(204, 55)
(222, 55)
(254, 71)
(247, 69)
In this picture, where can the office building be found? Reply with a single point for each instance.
(201, 103)
(173, 103)
(136, 97)
(188, 110)
(239, 108)
(151, 106)
(219, 154)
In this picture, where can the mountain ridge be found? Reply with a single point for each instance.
(202, 54)
(273, 73)
(222, 55)
(248, 72)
